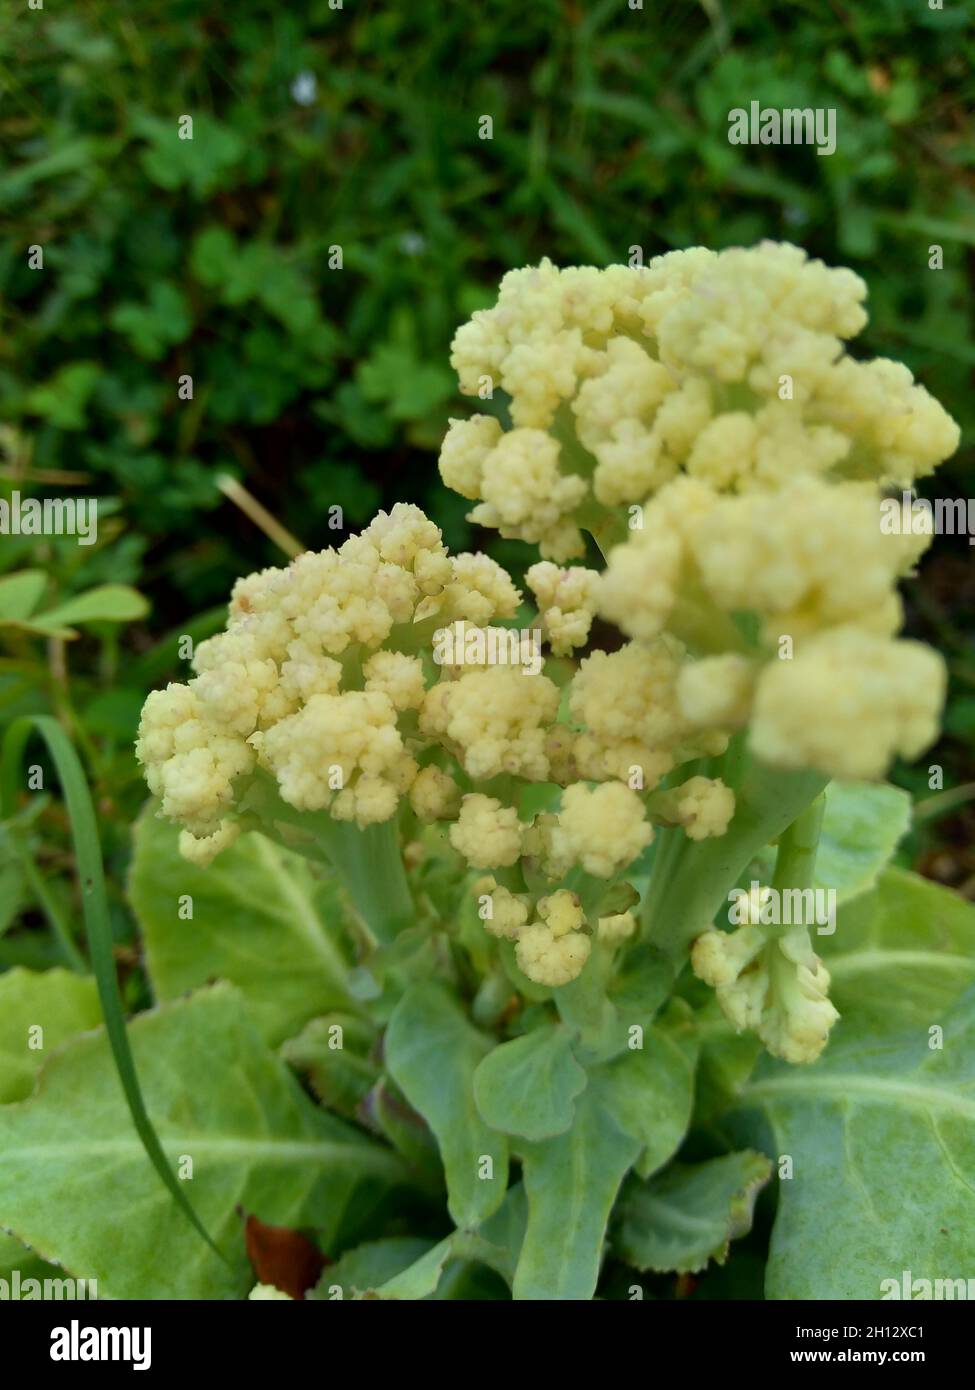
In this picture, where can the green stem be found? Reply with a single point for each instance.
(370, 866)
(368, 863)
(691, 880)
(795, 862)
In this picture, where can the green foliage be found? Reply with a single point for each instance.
(902, 953)
(76, 1187)
(863, 823)
(889, 1094)
(432, 1053)
(571, 1183)
(322, 379)
(527, 1087)
(690, 1214)
(259, 919)
(39, 1011)
(630, 1159)
(317, 129)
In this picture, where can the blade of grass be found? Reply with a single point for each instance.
(944, 802)
(260, 515)
(84, 832)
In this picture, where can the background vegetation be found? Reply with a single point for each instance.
(358, 128)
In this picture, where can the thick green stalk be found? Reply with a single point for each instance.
(370, 866)
(795, 862)
(691, 880)
(367, 862)
(795, 868)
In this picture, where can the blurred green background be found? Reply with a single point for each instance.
(317, 128)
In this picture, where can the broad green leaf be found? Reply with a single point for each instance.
(432, 1052)
(901, 954)
(261, 919)
(528, 1086)
(689, 1214)
(651, 1093)
(862, 825)
(19, 1263)
(505, 1230)
(20, 594)
(110, 603)
(881, 1135)
(75, 1183)
(39, 1010)
(643, 984)
(572, 1182)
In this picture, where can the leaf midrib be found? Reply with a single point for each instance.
(871, 958)
(228, 1148)
(305, 920)
(681, 1221)
(843, 1087)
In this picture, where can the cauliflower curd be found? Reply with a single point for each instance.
(699, 422)
(703, 407)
